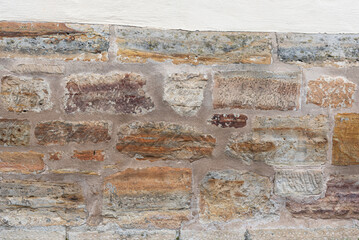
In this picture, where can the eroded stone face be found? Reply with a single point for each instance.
(24, 95)
(89, 155)
(230, 194)
(38, 68)
(333, 92)
(140, 44)
(341, 200)
(116, 93)
(257, 90)
(21, 162)
(163, 141)
(229, 120)
(156, 197)
(38, 233)
(184, 92)
(283, 141)
(14, 132)
(54, 40)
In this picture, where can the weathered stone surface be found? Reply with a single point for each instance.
(63, 132)
(23, 95)
(156, 197)
(230, 194)
(341, 200)
(212, 235)
(38, 68)
(229, 120)
(283, 141)
(257, 90)
(293, 183)
(88, 155)
(163, 141)
(38, 233)
(14, 132)
(40, 203)
(140, 45)
(345, 139)
(115, 93)
(55, 156)
(333, 92)
(21, 162)
(54, 40)
(318, 49)
(184, 92)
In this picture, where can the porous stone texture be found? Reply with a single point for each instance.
(298, 183)
(341, 200)
(260, 89)
(156, 197)
(88, 155)
(55, 156)
(23, 95)
(184, 92)
(230, 194)
(333, 92)
(345, 139)
(14, 132)
(114, 93)
(229, 120)
(38, 68)
(63, 132)
(163, 141)
(138, 45)
(212, 235)
(21, 162)
(54, 40)
(38, 233)
(282, 140)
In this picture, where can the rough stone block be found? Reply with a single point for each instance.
(38, 233)
(229, 120)
(14, 132)
(38, 68)
(89, 155)
(21, 162)
(212, 235)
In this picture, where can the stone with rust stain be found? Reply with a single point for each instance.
(333, 92)
(54, 41)
(38, 68)
(88, 155)
(24, 95)
(345, 139)
(230, 194)
(55, 156)
(229, 120)
(257, 90)
(157, 197)
(14, 132)
(139, 45)
(114, 93)
(341, 200)
(41, 203)
(21, 162)
(63, 132)
(283, 141)
(163, 141)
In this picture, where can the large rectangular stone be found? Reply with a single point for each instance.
(212, 235)
(21, 162)
(35, 233)
(260, 89)
(140, 44)
(14, 132)
(156, 197)
(54, 40)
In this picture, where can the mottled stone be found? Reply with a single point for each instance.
(40, 203)
(318, 49)
(212, 235)
(156, 197)
(141, 44)
(38, 233)
(38, 68)
(89, 155)
(184, 92)
(14, 132)
(21, 162)
(54, 40)
(333, 92)
(230, 194)
(341, 200)
(74, 171)
(24, 95)
(164, 141)
(115, 93)
(229, 120)
(55, 156)
(346, 139)
(257, 90)
(292, 183)
(63, 132)
(283, 141)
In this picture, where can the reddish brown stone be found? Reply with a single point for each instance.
(87, 155)
(164, 141)
(229, 120)
(14, 132)
(61, 132)
(21, 162)
(341, 200)
(55, 156)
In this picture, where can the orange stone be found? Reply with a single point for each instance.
(21, 162)
(95, 155)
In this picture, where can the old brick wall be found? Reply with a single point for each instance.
(112, 132)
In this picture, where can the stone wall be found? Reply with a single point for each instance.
(112, 132)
